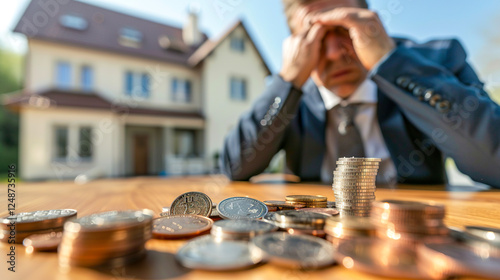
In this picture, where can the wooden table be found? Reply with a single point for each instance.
(464, 207)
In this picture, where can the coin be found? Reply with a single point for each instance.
(38, 220)
(241, 229)
(443, 260)
(487, 233)
(297, 251)
(283, 204)
(313, 232)
(353, 159)
(43, 242)
(111, 220)
(300, 217)
(194, 203)
(206, 253)
(181, 226)
(19, 236)
(241, 208)
(379, 258)
(325, 211)
(306, 198)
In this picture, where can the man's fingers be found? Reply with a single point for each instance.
(316, 33)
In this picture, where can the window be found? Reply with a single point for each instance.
(73, 22)
(185, 143)
(63, 75)
(130, 37)
(237, 44)
(87, 78)
(85, 146)
(238, 88)
(181, 90)
(136, 84)
(61, 142)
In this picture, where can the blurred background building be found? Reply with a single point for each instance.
(116, 95)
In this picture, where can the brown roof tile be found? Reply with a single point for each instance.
(102, 32)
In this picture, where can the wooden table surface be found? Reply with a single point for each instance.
(464, 206)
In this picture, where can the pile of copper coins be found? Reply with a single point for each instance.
(391, 238)
(22, 225)
(354, 185)
(111, 238)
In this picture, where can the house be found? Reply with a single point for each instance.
(108, 94)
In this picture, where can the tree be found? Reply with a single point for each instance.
(10, 80)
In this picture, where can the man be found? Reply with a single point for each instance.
(348, 89)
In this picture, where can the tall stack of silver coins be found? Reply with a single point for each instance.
(354, 185)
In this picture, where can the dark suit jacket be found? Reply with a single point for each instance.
(431, 105)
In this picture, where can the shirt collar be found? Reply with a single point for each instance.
(365, 93)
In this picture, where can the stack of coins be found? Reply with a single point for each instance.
(110, 238)
(354, 185)
(409, 222)
(22, 225)
(298, 222)
(278, 205)
(240, 229)
(309, 201)
(342, 229)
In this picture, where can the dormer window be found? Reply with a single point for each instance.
(130, 37)
(73, 22)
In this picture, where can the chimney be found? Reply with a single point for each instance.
(191, 33)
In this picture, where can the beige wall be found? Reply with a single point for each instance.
(37, 143)
(109, 74)
(221, 112)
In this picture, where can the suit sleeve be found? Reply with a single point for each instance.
(260, 133)
(441, 95)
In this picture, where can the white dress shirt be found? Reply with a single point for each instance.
(366, 121)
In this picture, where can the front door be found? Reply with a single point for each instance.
(141, 154)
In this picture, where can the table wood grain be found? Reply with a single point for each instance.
(464, 206)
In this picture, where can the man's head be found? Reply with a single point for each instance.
(339, 68)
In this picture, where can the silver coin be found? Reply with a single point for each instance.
(206, 253)
(359, 159)
(112, 220)
(297, 251)
(241, 208)
(192, 203)
(300, 217)
(489, 234)
(37, 220)
(241, 228)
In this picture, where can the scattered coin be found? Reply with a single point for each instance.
(241, 208)
(38, 220)
(297, 251)
(206, 253)
(193, 203)
(325, 211)
(43, 242)
(181, 226)
(240, 229)
(379, 257)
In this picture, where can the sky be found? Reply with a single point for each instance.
(472, 22)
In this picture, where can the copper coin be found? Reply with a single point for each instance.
(326, 211)
(306, 198)
(283, 204)
(378, 257)
(313, 232)
(192, 203)
(43, 242)
(181, 226)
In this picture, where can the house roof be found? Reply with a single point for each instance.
(209, 46)
(87, 100)
(103, 30)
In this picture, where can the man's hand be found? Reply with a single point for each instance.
(301, 53)
(370, 40)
